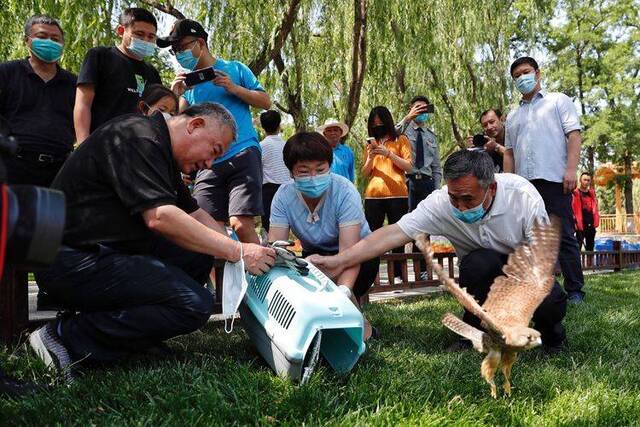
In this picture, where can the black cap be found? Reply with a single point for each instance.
(182, 28)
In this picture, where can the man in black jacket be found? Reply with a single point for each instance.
(137, 249)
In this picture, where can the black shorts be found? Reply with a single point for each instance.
(232, 187)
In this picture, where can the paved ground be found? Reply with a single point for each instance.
(374, 297)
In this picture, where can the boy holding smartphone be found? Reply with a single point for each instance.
(231, 190)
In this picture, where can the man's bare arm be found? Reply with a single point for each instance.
(375, 244)
(507, 161)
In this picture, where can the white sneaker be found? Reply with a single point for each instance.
(49, 347)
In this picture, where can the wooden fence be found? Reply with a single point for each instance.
(613, 223)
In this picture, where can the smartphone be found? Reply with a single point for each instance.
(200, 76)
(429, 109)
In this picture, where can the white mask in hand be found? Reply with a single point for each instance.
(234, 286)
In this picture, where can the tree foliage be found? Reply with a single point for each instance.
(594, 47)
(335, 58)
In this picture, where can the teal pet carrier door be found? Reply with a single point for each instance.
(293, 319)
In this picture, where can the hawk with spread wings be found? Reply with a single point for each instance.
(510, 304)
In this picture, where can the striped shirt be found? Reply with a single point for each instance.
(274, 170)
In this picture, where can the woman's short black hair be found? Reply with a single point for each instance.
(154, 92)
(385, 117)
(306, 146)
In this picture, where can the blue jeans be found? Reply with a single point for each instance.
(126, 303)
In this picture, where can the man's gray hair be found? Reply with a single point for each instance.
(470, 162)
(215, 111)
(40, 19)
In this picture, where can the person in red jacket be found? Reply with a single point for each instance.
(585, 212)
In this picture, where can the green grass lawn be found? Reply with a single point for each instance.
(404, 378)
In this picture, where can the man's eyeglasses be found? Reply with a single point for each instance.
(179, 48)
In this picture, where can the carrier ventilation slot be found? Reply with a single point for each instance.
(281, 310)
(261, 285)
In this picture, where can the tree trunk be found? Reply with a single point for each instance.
(583, 109)
(270, 51)
(401, 67)
(628, 184)
(166, 7)
(452, 114)
(292, 90)
(358, 59)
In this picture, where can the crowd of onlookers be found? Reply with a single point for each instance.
(138, 243)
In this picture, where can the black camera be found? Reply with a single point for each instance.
(479, 140)
(31, 218)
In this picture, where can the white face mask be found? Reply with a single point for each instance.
(166, 116)
(234, 286)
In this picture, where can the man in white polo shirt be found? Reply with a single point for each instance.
(542, 141)
(486, 216)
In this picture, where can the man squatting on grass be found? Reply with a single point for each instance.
(136, 248)
(486, 216)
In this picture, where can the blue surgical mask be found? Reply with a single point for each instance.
(141, 48)
(46, 49)
(421, 118)
(187, 60)
(313, 186)
(526, 83)
(471, 215)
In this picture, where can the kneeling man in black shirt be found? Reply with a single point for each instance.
(136, 248)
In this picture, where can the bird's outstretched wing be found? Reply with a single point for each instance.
(460, 294)
(476, 336)
(513, 298)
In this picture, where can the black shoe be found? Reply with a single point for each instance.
(375, 333)
(13, 387)
(49, 347)
(556, 348)
(159, 349)
(575, 298)
(44, 302)
(460, 345)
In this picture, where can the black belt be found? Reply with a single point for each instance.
(418, 176)
(35, 156)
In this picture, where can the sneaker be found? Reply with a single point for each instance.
(575, 298)
(459, 345)
(49, 347)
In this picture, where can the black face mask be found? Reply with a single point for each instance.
(379, 132)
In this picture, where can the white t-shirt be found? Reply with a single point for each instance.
(273, 168)
(507, 224)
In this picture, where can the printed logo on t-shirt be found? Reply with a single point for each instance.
(140, 84)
